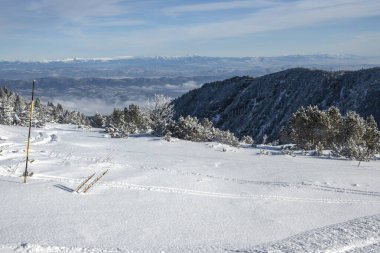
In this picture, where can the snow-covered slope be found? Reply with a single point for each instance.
(179, 197)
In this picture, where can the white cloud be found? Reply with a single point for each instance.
(89, 106)
(282, 16)
(85, 26)
(218, 6)
(66, 16)
(76, 10)
(301, 13)
(186, 86)
(120, 23)
(190, 85)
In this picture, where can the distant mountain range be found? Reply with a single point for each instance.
(218, 68)
(100, 84)
(261, 106)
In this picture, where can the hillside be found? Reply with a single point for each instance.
(259, 106)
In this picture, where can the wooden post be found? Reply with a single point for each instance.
(30, 126)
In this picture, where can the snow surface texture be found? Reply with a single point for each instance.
(179, 196)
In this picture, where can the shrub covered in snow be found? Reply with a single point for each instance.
(358, 139)
(135, 120)
(130, 120)
(191, 129)
(98, 120)
(168, 136)
(115, 132)
(226, 137)
(159, 113)
(350, 136)
(247, 140)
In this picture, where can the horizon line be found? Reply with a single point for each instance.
(115, 58)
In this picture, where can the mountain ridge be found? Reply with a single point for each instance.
(262, 105)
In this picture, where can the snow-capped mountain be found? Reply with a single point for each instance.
(188, 66)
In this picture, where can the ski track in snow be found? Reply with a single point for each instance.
(272, 183)
(163, 189)
(235, 196)
(68, 157)
(360, 235)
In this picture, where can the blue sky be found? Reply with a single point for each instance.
(54, 29)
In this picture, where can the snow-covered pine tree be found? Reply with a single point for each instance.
(160, 112)
(353, 127)
(135, 120)
(98, 120)
(334, 126)
(117, 119)
(372, 136)
(208, 129)
(6, 113)
(226, 137)
(311, 128)
(24, 115)
(358, 139)
(18, 105)
(189, 129)
(15, 110)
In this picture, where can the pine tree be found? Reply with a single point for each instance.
(372, 136)
(334, 127)
(6, 113)
(24, 115)
(135, 121)
(18, 104)
(98, 120)
(160, 112)
(118, 118)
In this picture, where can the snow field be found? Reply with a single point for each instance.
(179, 197)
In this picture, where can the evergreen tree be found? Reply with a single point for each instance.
(98, 120)
(334, 127)
(190, 129)
(350, 136)
(6, 113)
(117, 119)
(18, 105)
(160, 112)
(136, 121)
